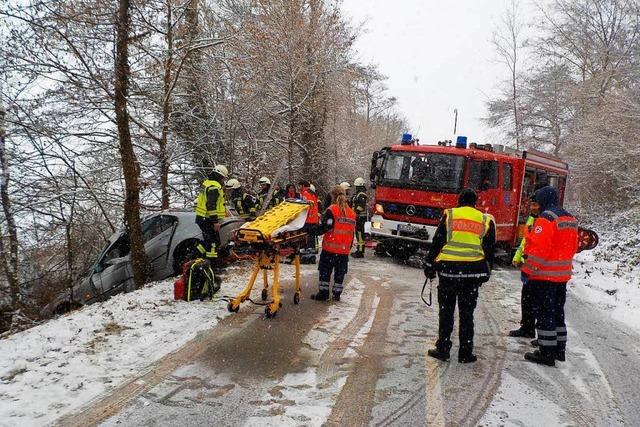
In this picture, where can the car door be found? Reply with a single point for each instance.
(113, 272)
(157, 233)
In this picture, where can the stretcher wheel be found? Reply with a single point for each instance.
(296, 298)
(268, 313)
(231, 309)
(264, 295)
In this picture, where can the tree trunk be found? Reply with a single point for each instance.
(130, 167)
(166, 112)
(9, 260)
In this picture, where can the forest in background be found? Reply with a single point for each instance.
(574, 90)
(119, 108)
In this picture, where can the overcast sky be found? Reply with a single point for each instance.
(438, 56)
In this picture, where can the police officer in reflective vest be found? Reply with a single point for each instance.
(359, 204)
(209, 210)
(338, 226)
(461, 253)
(243, 202)
(548, 254)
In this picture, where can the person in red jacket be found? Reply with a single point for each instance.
(548, 253)
(313, 217)
(338, 226)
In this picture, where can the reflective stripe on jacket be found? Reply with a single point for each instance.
(201, 201)
(339, 239)
(550, 248)
(466, 226)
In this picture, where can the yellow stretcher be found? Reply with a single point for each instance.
(273, 234)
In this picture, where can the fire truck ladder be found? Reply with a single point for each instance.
(274, 234)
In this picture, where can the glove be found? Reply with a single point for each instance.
(429, 270)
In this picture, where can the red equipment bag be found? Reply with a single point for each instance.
(178, 288)
(180, 285)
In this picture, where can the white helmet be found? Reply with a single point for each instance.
(264, 180)
(232, 184)
(345, 185)
(359, 182)
(312, 188)
(221, 170)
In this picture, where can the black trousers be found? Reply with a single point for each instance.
(311, 230)
(211, 239)
(360, 233)
(549, 300)
(332, 263)
(465, 292)
(528, 322)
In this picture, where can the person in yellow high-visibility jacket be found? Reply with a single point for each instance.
(527, 327)
(210, 209)
(462, 254)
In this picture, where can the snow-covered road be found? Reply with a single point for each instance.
(362, 362)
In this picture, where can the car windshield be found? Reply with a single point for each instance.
(425, 171)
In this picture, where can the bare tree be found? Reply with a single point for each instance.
(508, 43)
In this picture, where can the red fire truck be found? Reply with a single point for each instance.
(414, 184)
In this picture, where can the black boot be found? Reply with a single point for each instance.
(540, 358)
(336, 296)
(440, 355)
(322, 295)
(560, 356)
(467, 358)
(357, 254)
(522, 333)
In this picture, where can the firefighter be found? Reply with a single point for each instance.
(462, 254)
(527, 327)
(313, 217)
(210, 209)
(548, 255)
(338, 226)
(265, 186)
(243, 202)
(359, 204)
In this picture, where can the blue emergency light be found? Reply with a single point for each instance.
(461, 142)
(406, 138)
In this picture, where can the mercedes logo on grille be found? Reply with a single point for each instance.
(411, 210)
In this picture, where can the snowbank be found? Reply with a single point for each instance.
(609, 276)
(56, 367)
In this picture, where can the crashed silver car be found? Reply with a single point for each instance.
(170, 239)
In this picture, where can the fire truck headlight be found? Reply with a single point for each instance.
(379, 208)
(377, 225)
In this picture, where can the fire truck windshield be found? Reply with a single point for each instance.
(424, 171)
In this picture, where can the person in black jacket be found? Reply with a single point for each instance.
(462, 255)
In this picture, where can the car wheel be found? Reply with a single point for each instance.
(185, 251)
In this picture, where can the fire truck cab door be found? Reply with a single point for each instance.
(483, 177)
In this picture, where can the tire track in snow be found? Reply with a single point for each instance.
(333, 355)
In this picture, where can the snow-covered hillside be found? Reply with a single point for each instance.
(609, 276)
